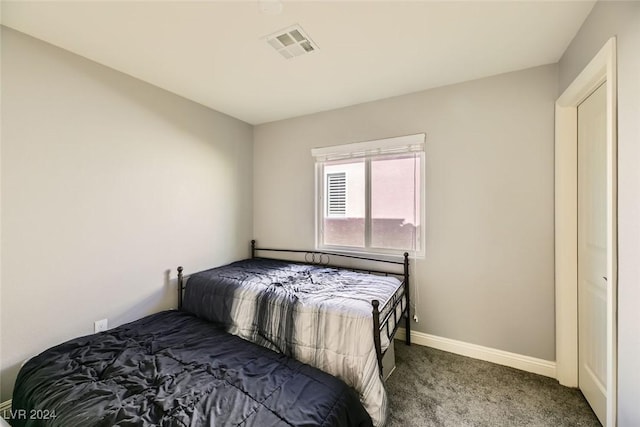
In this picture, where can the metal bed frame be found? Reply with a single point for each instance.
(401, 298)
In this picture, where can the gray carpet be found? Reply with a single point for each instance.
(434, 388)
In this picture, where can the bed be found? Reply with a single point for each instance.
(336, 318)
(174, 369)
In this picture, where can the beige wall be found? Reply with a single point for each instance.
(488, 273)
(620, 19)
(107, 183)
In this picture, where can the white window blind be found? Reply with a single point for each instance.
(396, 145)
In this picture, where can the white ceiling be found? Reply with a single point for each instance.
(213, 52)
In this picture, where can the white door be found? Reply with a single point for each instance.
(592, 251)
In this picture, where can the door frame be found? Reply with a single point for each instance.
(602, 68)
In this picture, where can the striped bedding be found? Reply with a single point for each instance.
(318, 315)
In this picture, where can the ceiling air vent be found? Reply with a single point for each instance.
(291, 42)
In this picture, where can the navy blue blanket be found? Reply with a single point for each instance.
(173, 369)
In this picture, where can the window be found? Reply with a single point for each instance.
(370, 196)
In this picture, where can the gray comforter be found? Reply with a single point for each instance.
(320, 316)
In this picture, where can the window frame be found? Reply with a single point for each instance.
(371, 151)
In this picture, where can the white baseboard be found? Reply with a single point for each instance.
(500, 357)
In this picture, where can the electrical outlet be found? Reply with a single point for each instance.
(100, 325)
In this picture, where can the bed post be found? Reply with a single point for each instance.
(407, 289)
(376, 332)
(180, 287)
(253, 249)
